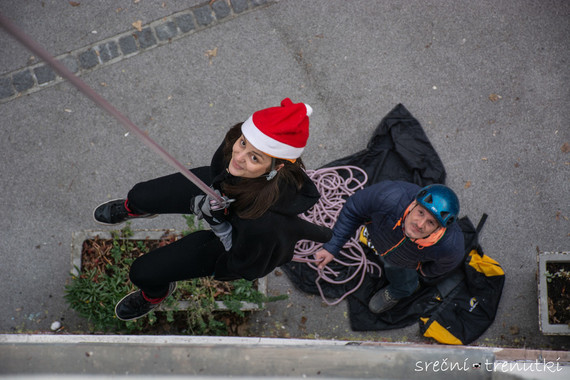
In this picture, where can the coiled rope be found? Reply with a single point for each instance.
(334, 190)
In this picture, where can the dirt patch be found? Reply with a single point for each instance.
(558, 290)
(108, 257)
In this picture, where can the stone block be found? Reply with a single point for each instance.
(146, 38)
(128, 44)
(88, 59)
(203, 15)
(6, 89)
(108, 51)
(166, 31)
(221, 9)
(44, 74)
(185, 22)
(71, 63)
(23, 80)
(239, 5)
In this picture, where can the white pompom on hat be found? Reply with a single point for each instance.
(280, 132)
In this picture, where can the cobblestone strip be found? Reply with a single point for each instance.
(125, 45)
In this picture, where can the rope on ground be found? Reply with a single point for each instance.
(334, 190)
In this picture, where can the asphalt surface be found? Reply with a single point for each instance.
(488, 80)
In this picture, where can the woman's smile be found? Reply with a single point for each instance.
(235, 164)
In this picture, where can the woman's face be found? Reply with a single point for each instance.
(247, 161)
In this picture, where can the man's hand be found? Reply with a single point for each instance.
(324, 257)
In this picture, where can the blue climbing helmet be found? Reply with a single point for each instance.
(441, 202)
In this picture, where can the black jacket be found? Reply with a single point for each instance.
(380, 206)
(260, 245)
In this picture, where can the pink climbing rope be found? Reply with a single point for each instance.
(334, 190)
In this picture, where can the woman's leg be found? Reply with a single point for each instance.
(156, 273)
(170, 194)
(193, 256)
(165, 195)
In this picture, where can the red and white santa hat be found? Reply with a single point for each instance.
(280, 132)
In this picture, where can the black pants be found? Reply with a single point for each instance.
(192, 256)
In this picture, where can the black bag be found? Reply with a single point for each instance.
(467, 309)
(398, 150)
(420, 304)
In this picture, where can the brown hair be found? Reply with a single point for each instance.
(254, 196)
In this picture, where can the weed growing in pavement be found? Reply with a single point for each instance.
(560, 273)
(103, 281)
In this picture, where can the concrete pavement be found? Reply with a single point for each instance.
(487, 80)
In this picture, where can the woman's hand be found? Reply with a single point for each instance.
(207, 208)
(324, 257)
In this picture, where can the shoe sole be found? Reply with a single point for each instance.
(114, 224)
(140, 316)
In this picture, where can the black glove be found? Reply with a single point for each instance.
(207, 208)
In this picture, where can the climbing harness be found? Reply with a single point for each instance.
(334, 190)
(65, 73)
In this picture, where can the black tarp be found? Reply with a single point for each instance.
(398, 150)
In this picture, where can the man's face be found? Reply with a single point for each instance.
(420, 223)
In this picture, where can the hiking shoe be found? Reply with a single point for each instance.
(115, 212)
(135, 305)
(382, 301)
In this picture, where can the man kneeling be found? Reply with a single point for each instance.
(413, 230)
